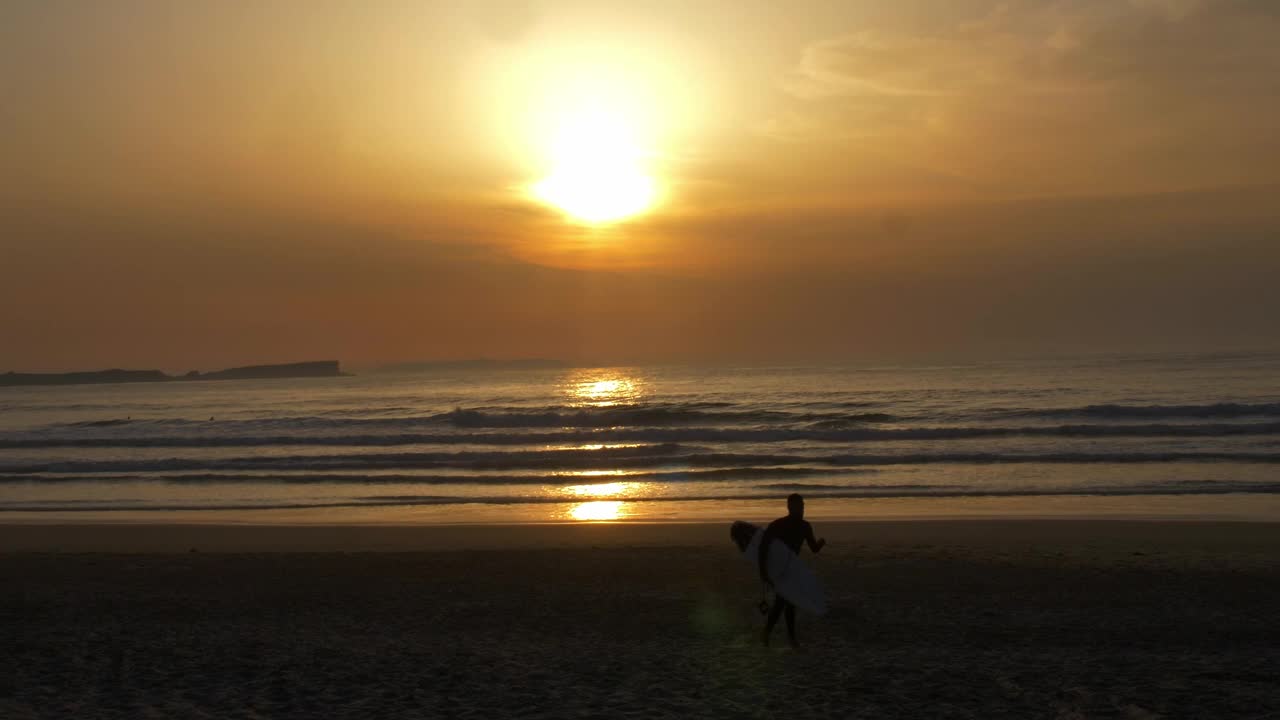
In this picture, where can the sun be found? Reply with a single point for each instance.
(598, 172)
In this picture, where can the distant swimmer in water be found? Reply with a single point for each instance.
(794, 531)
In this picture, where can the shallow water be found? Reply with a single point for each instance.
(1119, 434)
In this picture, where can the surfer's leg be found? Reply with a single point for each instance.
(791, 624)
(774, 613)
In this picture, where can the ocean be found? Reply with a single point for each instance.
(1135, 435)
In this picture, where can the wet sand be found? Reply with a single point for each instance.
(983, 619)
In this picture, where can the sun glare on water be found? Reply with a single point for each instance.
(598, 172)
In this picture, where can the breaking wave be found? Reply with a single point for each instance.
(819, 433)
(653, 456)
(1126, 412)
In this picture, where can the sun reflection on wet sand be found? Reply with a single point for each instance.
(598, 510)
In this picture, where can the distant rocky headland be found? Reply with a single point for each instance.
(315, 368)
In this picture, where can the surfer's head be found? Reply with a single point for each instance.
(795, 505)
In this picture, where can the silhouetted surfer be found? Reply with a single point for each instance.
(794, 531)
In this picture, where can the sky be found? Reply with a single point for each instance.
(204, 184)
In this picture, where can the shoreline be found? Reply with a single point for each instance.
(177, 538)
(1235, 508)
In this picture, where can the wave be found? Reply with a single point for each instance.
(823, 487)
(309, 478)
(640, 415)
(656, 415)
(905, 491)
(101, 423)
(1128, 412)
(655, 456)
(813, 433)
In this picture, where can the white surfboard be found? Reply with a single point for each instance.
(792, 579)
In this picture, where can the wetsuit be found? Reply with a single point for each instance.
(793, 532)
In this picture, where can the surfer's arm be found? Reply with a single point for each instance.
(814, 545)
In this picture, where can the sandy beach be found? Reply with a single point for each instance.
(983, 619)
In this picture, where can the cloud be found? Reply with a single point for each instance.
(1080, 93)
(896, 63)
(1032, 47)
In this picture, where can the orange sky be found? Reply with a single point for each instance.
(202, 184)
